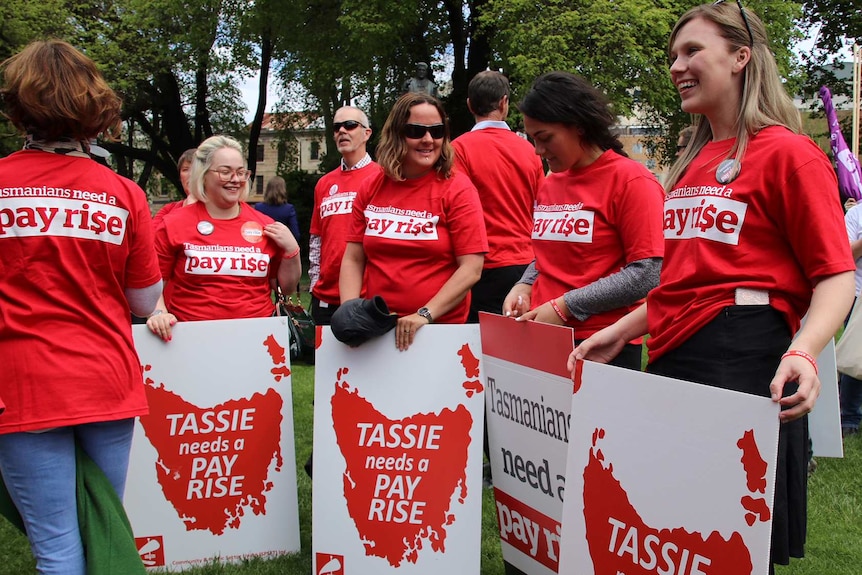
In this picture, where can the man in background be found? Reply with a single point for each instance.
(333, 206)
(507, 173)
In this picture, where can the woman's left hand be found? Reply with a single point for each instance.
(800, 370)
(282, 236)
(406, 330)
(544, 313)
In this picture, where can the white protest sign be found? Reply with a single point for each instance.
(398, 454)
(824, 421)
(213, 470)
(665, 476)
(528, 403)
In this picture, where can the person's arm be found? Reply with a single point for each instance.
(450, 294)
(352, 270)
(830, 302)
(620, 289)
(289, 271)
(856, 248)
(313, 260)
(606, 344)
(142, 301)
(161, 321)
(289, 266)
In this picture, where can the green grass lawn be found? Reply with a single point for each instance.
(834, 528)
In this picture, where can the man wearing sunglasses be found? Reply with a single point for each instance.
(507, 173)
(333, 205)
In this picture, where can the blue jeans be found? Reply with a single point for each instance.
(39, 472)
(850, 394)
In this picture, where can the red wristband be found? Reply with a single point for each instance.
(803, 355)
(291, 255)
(558, 310)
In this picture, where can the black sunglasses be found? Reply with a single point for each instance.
(417, 131)
(349, 125)
(744, 19)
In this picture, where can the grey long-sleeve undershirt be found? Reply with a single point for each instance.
(619, 289)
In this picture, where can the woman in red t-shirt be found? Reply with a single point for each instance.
(754, 239)
(597, 221)
(418, 235)
(219, 257)
(75, 259)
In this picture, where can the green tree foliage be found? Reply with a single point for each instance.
(835, 24)
(618, 45)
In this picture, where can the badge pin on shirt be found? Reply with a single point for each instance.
(205, 228)
(727, 171)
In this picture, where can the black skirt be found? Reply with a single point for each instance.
(740, 350)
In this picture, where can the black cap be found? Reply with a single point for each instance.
(358, 320)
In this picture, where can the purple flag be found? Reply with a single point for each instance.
(849, 172)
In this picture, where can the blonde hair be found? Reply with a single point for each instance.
(765, 102)
(393, 145)
(52, 90)
(203, 160)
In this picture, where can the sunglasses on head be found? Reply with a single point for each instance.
(744, 19)
(417, 131)
(349, 125)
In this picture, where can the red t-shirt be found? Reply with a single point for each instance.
(507, 172)
(159, 216)
(412, 231)
(73, 236)
(589, 223)
(333, 208)
(217, 269)
(776, 227)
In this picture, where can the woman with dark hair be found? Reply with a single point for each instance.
(184, 167)
(597, 231)
(76, 256)
(754, 240)
(275, 205)
(418, 235)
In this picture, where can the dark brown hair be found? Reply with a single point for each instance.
(52, 90)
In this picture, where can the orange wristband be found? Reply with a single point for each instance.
(803, 355)
(558, 310)
(291, 255)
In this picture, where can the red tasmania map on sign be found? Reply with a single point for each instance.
(213, 462)
(621, 542)
(401, 473)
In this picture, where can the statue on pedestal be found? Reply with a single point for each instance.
(421, 82)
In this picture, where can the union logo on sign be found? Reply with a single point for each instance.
(151, 550)
(328, 564)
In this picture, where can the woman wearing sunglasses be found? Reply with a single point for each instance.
(753, 240)
(418, 235)
(597, 221)
(219, 257)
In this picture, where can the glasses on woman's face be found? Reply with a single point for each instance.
(226, 174)
(417, 131)
(744, 19)
(348, 125)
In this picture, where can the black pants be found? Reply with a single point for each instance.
(321, 315)
(491, 290)
(740, 350)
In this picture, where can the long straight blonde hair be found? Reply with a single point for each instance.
(765, 102)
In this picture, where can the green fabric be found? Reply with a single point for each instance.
(109, 544)
(8, 509)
